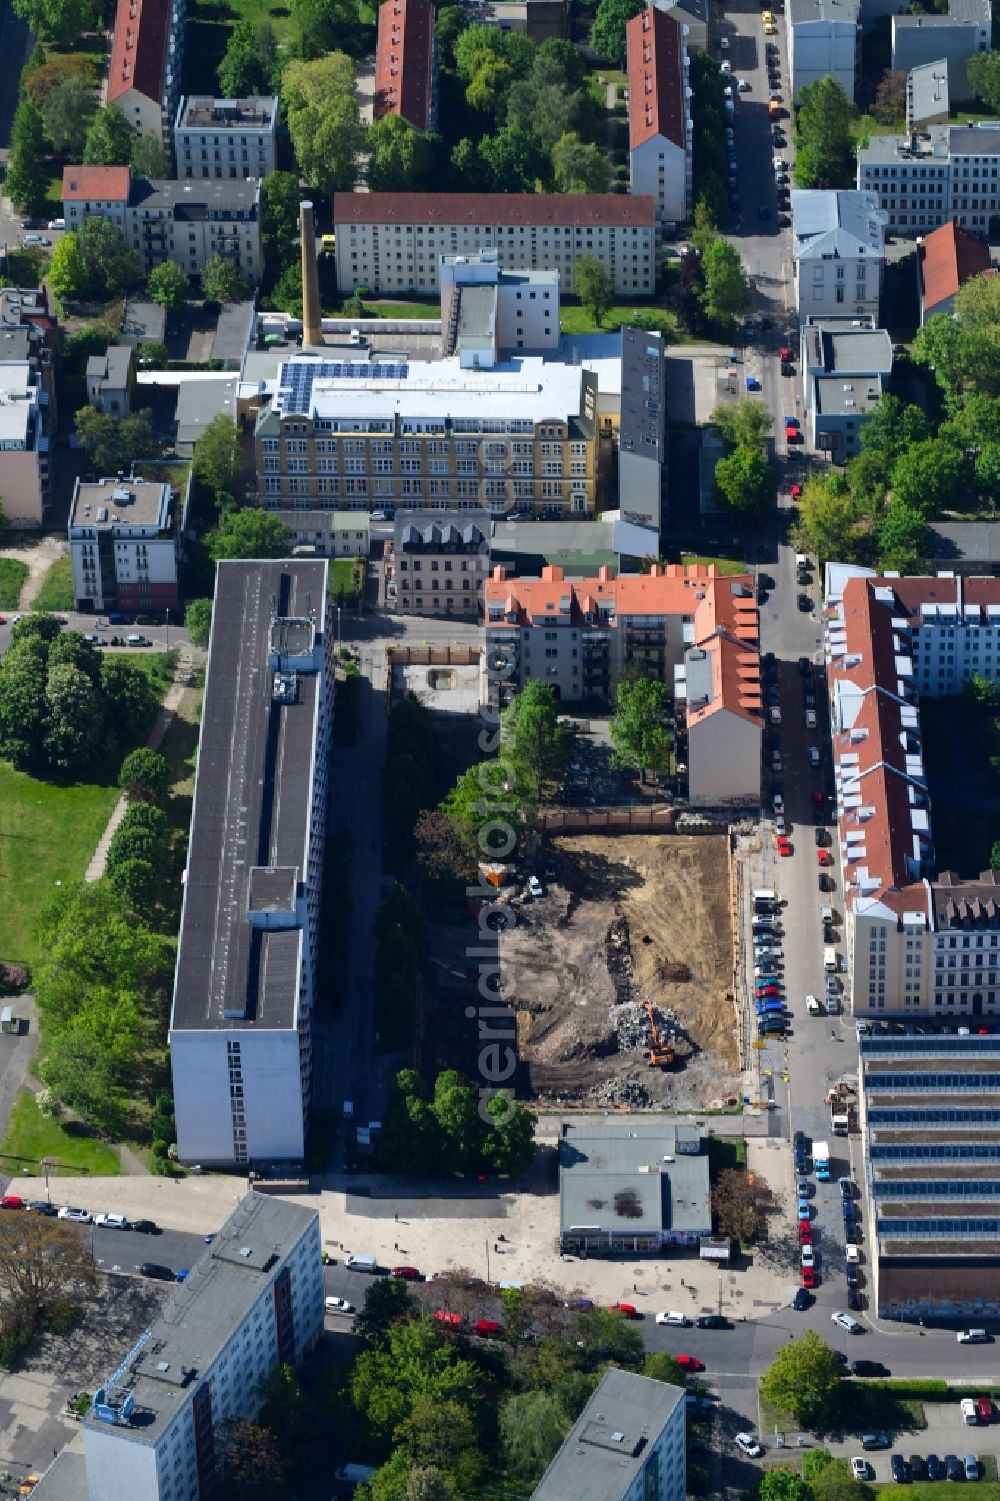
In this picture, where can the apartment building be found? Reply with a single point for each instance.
(241, 1021)
(125, 544)
(24, 443)
(29, 333)
(628, 1444)
(824, 41)
(928, 101)
(916, 945)
(946, 172)
(438, 564)
(845, 368)
(642, 430)
(111, 380)
(144, 69)
(253, 1301)
(686, 627)
(185, 222)
(946, 259)
(360, 435)
(838, 250)
(393, 242)
(406, 63)
(487, 312)
(659, 117)
(952, 39)
(225, 137)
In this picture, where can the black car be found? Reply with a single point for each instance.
(853, 1299)
(953, 1467)
(825, 881)
(868, 1368)
(787, 368)
(803, 1299)
(935, 1469)
(820, 836)
(852, 1274)
(805, 604)
(918, 1467)
(785, 223)
(159, 1273)
(146, 1227)
(42, 1206)
(713, 1321)
(900, 1472)
(765, 580)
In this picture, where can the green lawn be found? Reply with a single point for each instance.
(47, 836)
(932, 1491)
(12, 575)
(724, 565)
(32, 1136)
(56, 592)
(577, 320)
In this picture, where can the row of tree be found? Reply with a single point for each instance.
(710, 288)
(399, 931)
(744, 477)
(439, 1131)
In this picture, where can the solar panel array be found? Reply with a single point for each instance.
(296, 380)
(935, 1151)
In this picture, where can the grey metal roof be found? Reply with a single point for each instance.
(198, 401)
(633, 1178)
(232, 331)
(324, 521)
(253, 796)
(643, 424)
(836, 222)
(206, 198)
(66, 1477)
(850, 351)
(199, 1320)
(952, 541)
(823, 10)
(608, 1445)
(975, 140)
(926, 92)
(477, 313)
(837, 396)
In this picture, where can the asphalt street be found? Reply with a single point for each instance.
(163, 637)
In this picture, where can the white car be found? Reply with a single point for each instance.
(844, 1321)
(724, 43)
(535, 886)
(339, 1305)
(778, 803)
(853, 1255)
(810, 719)
(111, 1222)
(808, 1257)
(749, 1445)
(78, 1216)
(859, 1468)
(726, 67)
(743, 84)
(671, 1316)
(779, 165)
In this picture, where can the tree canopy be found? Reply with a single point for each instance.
(802, 1379)
(324, 123)
(534, 744)
(824, 149)
(429, 1133)
(221, 281)
(168, 285)
(62, 21)
(250, 64)
(400, 157)
(112, 443)
(607, 34)
(639, 731)
(594, 287)
(249, 533)
(110, 139)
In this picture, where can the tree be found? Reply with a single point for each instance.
(983, 72)
(413, 1363)
(168, 286)
(249, 534)
(323, 120)
(253, 1464)
(513, 161)
(449, 23)
(579, 168)
(40, 82)
(74, 718)
(783, 1485)
(46, 1268)
(98, 261)
(744, 423)
(543, 105)
(744, 479)
(607, 35)
(26, 180)
(903, 537)
(456, 1111)
(221, 281)
(387, 1302)
(22, 702)
(149, 158)
(67, 114)
(144, 776)
(113, 444)
(441, 851)
(534, 742)
(607, 1336)
(827, 524)
(475, 42)
(283, 1404)
(441, 1436)
(198, 621)
(486, 91)
(217, 455)
(136, 882)
(508, 1142)
(825, 149)
(280, 196)
(109, 140)
(835, 1482)
(982, 696)
(941, 344)
(803, 1379)
(995, 856)
(659, 1366)
(594, 287)
(61, 20)
(321, 26)
(928, 477)
(639, 731)
(250, 62)
(889, 104)
(724, 294)
(401, 158)
(532, 1426)
(130, 699)
(814, 1461)
(890, 430)
(739, 1200)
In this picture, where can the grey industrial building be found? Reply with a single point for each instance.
(628, 1444)
(635, 1187)
(930, 1119)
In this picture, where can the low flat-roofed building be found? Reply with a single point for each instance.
(124, 543)
(927, 101)
(954, 38)
(930, 1120)
(580, 548)
(634, 1187)
(439, 562)
(487, 313)
(628, 1444)
(844, 372)
(330, 534)
(199, 402)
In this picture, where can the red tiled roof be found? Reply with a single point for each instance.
(948, 258)
(569, 209)
(656, 103)
(139, 49)
(404, 61)
(95, 184)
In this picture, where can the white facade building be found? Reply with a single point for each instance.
(628, 1444)
(824, 41)
(659, 116)
(844, 370)
(24, 443)
(225, 137)
(252, 1302)
(487, 312)
(953, 39)
(838, 247)
(947, 172)
(124, 544)
(241, 1022)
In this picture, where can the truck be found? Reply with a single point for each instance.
(821, 1160)
(840, 1120)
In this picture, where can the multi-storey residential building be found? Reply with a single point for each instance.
(951, 39)
(887, 640)
(628, 1444)
(124, 544)
(946, 172)
(845, 367)
(439, 563)
(30, 333)
(225, 137)
(838, 248)
(824, 41)
(927, 96)
(364, 436)
(185, 222)
(659, 118)
(252, 1302)
(393, 242)
(241, 1022)
(24, 443)
(487, 312)
(946, 259)
(687, 627)
(111, 380)
(144, 69)
(642, 429)
(406, 63)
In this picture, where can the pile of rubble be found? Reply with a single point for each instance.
(630, 1021)
(630, 1092)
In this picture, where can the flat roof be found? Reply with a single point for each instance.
(201, 198)
(18, 399)
(836, 396)
(198, 1322)
(253, 794)
(823, 10)
(199, 402)
(66, 1477)
(617, 1177)
(202, 112)
(132, 502)
(324, 521)
(927, 92)
(609, 1443)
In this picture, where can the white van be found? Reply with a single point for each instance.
(367, 1264)
(813, 1006)
(972, 1337)
(830, 960)
(764, 898)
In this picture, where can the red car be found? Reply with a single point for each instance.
(805, 1233)
(784, 848)
(796, 492)
(785, 354)
(11, 1201)
(627, 1310)
(792, 435)
(817, 798)
(767, 990)
(809, 1278)
(408, 1273)
(689, 1362)
(444, 1317)
(823, 857)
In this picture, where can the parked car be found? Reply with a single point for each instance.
(155, 1270)
(953, 1467)
(935, 1469)
(749, 1445)
(918, 1467)
(535, 886)
(689, 1362)
(112, 1222)
(41, 1206)
(672, 1317)
(971, 1466)
(341, 1305)
(713, 1321)
(77, 1216)
(627, 1310)
(146, 1227)
(844, 1321)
